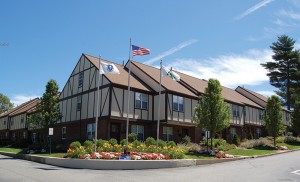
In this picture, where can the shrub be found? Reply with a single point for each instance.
(132, 137)
(123, 142)
(89, 146)
(113, 141)
(75, 144)
(100, 142)
(262, 143)
(161, 143)
(186, 139)
(218, 142)
(136, 143)
(290, 139)
(150, 141)
(227, 147)
(280, 139)
(236, 140)
(171, 143)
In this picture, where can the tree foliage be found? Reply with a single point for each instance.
(47, 111)
(273, 118)
(212, 113)
(296, 117)
(5, 103)
(283, 72)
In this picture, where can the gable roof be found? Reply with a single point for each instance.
(229, 95)
(167, 83)
(21, 108)
(121, 79)
(257, 95)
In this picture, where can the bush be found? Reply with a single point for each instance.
(75, 145)
(236, 140)
(132, 137)
(136, 143)
(100, 142)
(227, 147)
(171, 143)
(280, 139)
(123, 142)
(89, 146)
(186, 139)
(290, 139)
(150, 141)
(262, 143)
(218, 142)
(161, 143)
(113, 141)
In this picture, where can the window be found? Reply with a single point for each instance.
(235, 111)
(79, 102)
(258, 132)
(63, 132)
(141, 101)
(91, 131)
(261, 114)
(80, 79)
(177, 103)
(22, 119)
(11, 121)
(4, 122)
(167, 133)
(139, 130)
(287, 116)
(232, 132)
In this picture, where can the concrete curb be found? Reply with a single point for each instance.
(125, 165)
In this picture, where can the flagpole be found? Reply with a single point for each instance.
(158, 110)
(128, 98)
(97, 113)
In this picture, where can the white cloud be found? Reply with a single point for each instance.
(290, 14)
(295, 2)
(266, 93)
(253, 9)
(231, 70)
(171, 51)
(20, 99)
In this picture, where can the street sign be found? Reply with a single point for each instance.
(207, 134)
(50, 131)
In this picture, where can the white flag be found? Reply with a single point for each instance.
(170, 73)
(108, 68)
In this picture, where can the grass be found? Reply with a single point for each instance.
(197, 156)
(12, 149)
(290, 146)
(250, 152)
(58, 154)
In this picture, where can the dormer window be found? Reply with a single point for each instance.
(141, 101)
(178, 103)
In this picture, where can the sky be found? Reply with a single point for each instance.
(226, 40)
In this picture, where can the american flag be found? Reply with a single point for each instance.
(136, 50)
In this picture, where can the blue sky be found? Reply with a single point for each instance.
(227, 40)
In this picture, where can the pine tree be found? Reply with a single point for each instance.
(296, 117)
(212, 112)
(273, 118)
(283, 70)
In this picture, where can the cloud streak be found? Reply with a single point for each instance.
(253, 9)
(171, 51)
(231, 70)
(20, 99)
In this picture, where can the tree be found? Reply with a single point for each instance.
(273, 118)
(283, 70)
(296, 117)
(212, 112)
(5, 103)
(47, 111)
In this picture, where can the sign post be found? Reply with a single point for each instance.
(207, 136)
(50, 134)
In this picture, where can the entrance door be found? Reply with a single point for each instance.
(185, 132)
(115, 129)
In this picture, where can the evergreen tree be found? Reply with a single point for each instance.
(296, 117)
(5, 103)
(283, 70)
(273, 118)
(212, 112)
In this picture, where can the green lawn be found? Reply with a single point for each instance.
(197, 156)
(12, 149)
(61, 155)
(290, 146)
(249, 152)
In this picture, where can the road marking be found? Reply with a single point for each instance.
(296, 172)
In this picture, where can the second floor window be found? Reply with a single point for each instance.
(235, 111)
(78, 102)
(141, 101)
(4, 122)
(177, 103)
(22, 119)
(80, 79)
(261, 114)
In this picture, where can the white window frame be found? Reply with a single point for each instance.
(79, 102)
(168, 133)
(90, 131)
(178, 103)
(63, 132)
(235, 110)
(80, 79)
(141, 101)
(139, 130)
